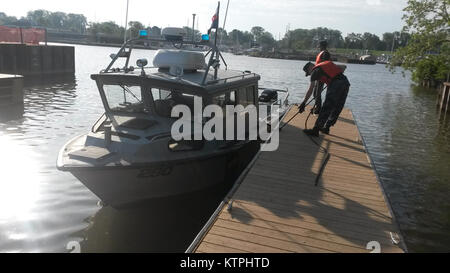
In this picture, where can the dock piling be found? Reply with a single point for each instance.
(444, 98)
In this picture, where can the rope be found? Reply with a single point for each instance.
(323, 149)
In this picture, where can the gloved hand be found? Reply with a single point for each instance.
(301, 108)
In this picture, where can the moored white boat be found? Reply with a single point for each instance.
(131, 154)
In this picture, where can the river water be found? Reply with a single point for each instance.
(44, 210)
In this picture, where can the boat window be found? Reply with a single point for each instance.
(225, 99)
(247, 96)
(250, 95)
(185, 145)
(161, 94)
(124, 98)
(165, 100)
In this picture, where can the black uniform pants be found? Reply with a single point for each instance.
(318, 95)
(334, 103)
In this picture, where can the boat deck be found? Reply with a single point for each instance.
(276, 206)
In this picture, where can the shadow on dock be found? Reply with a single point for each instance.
(278, 208)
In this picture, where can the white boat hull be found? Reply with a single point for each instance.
(123, 186)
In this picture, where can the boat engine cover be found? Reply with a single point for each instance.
(268, 95)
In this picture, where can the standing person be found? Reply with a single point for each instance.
(323, 56)
(338, 86)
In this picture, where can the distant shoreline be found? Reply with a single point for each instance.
(72, 42)
(268, 55)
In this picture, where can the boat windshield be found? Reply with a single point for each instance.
(164, 100)
(125, 98)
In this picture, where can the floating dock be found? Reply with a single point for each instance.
(275, 205)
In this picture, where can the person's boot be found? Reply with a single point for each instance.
(312, 132)
(325, 130)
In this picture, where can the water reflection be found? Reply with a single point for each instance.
(167, 225)
(413, 157)
(12, 112)
(29, 193)
(19, 184)
(43, 209)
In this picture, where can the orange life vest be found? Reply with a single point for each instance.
(319, 57)
(330, 69)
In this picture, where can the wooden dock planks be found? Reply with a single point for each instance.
(277, 207)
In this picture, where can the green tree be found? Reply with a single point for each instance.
(106, 32)
(39, 17)
(354, 41)
(133, 29)
(427, 53)
(76, 23)
(7, 20)
(371, 41)
(308, 39)
(257, 32)
(266, 40)
(58, 20)
(240, 39)
(155, 31)
(197, 34)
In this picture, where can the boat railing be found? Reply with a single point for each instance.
(213, 49)
(225, 80)
(99, 123)
(129, 44)
(279, 101)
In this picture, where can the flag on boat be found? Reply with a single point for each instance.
(215, 20)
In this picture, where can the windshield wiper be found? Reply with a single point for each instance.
(130, 92)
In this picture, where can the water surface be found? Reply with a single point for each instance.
(42, 209)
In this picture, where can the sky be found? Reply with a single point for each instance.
(276, 16)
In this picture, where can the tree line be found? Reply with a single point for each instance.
(76, 23)
(296, 40)
(427, 54)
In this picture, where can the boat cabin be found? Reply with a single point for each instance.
(157, 92)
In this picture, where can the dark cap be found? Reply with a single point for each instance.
(306, 68)
(323, 43)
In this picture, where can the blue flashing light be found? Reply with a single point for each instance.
(205, 37)
(143, 33)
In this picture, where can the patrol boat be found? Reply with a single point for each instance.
(130, 154)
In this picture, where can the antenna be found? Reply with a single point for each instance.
(126, 23)
(198, 19)
(224, 22)
(214, 60)
(193, 27)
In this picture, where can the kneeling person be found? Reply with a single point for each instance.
(338, 86)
